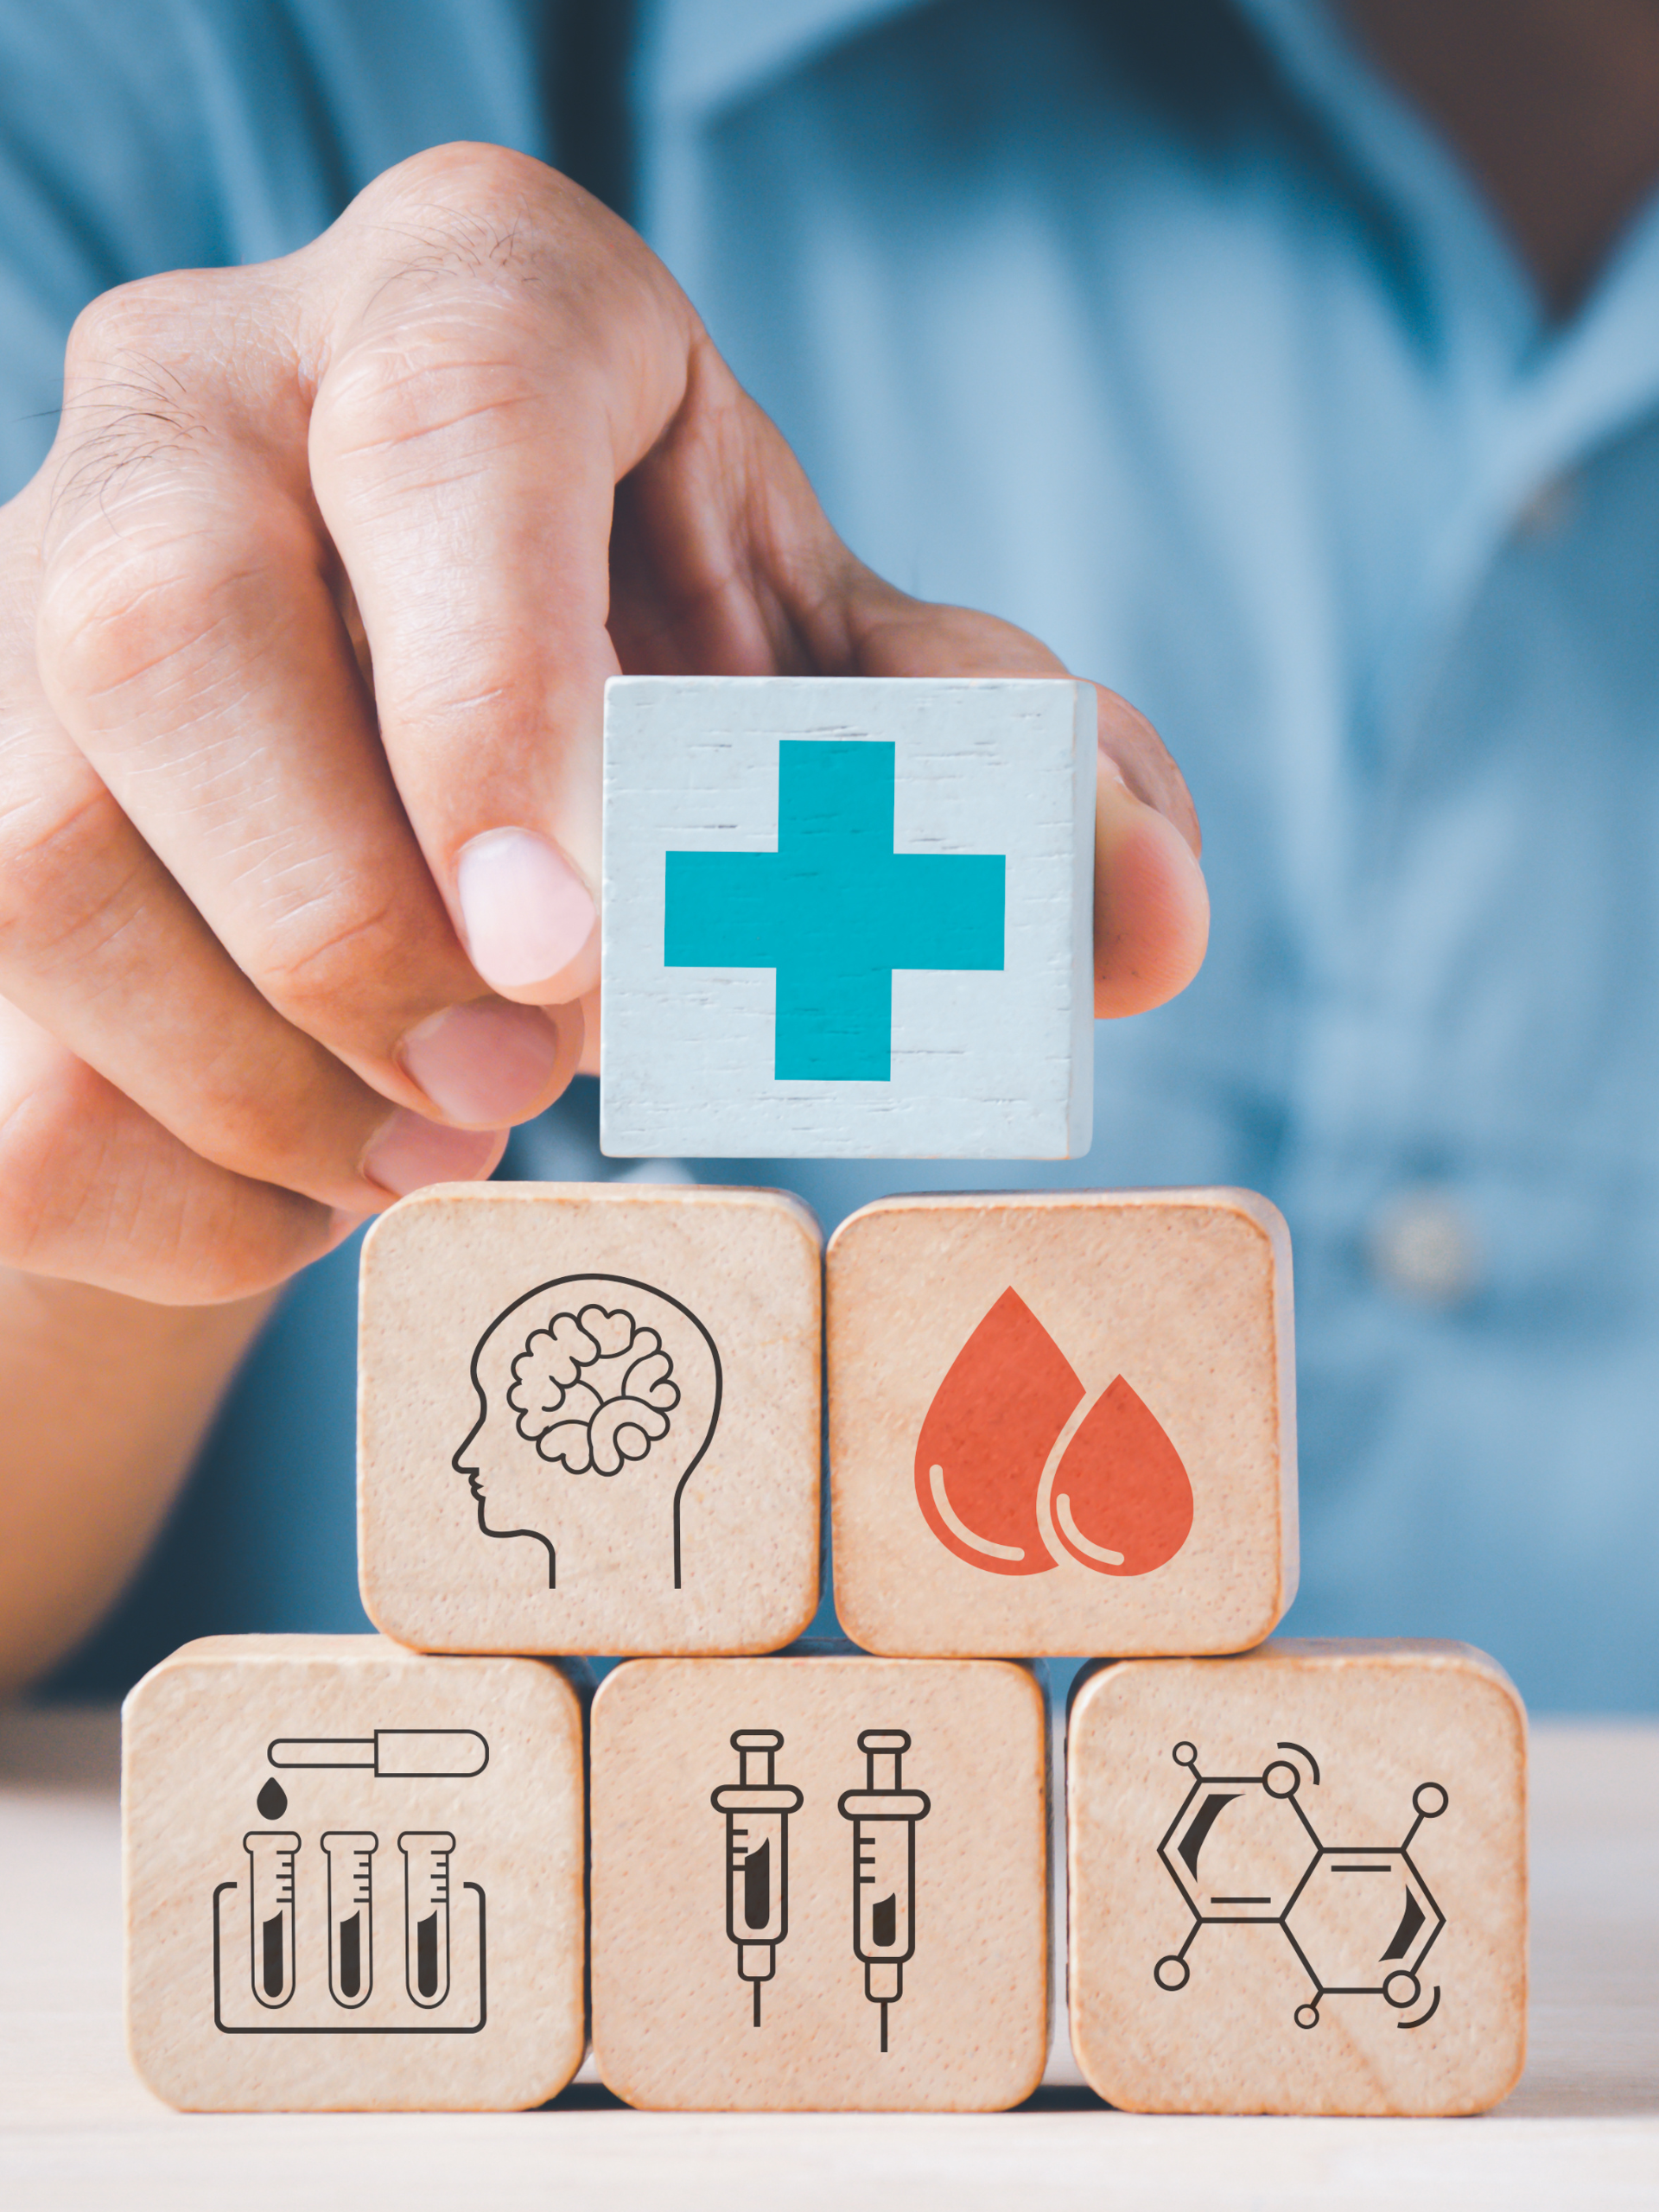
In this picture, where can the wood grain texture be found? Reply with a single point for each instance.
(403, 1933)
(498, 1507)
(674, 2022)
(1061, 1422)
(78, 2128)
(1336, 1922)
(984, 1064)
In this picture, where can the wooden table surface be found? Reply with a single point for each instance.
(76, 2128)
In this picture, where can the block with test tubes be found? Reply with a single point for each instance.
(400, 1926)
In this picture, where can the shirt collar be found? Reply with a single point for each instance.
(1590, 377)
(704, 54)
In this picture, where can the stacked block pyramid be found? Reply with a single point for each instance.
(755, 1868)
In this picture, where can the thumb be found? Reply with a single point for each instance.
(1152, 907)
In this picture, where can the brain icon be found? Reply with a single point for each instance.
(593, 1389)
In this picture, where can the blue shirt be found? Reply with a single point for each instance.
(1175, 336)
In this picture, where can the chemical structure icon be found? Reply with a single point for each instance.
(1360, 1918)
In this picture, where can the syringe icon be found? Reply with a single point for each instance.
(757, 1809)
(884, 1816)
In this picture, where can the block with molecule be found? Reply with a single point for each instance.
(819, 1883)
(1297, 1880)
(847, 917)
(588, 1419)
(354, 1877)
(1061, 1422)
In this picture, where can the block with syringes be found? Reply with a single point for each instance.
(930, 1994)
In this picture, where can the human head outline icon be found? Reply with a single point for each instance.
(598, 1396)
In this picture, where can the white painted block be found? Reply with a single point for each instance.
(848, 918)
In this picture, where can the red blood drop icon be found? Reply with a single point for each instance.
(989, 1430)
(1121, 1501)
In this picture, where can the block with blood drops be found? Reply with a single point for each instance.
(1297, 1880)
(1061, 1422)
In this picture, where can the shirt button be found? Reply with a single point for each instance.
(1423, 1247)
(1549, 509)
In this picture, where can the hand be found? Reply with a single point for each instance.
(304, 628)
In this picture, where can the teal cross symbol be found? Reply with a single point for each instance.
(835, 910)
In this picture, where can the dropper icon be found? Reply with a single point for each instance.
(411, 1754)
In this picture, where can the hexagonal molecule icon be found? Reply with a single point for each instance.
(1239, 1848)
(1361, 1919)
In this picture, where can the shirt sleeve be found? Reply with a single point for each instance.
(149, 135)
(100, 138)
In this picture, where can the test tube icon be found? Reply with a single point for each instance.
(351, 1926)
(757, 1808)
(271, 1852)
(426, 1914)
(884, 1814)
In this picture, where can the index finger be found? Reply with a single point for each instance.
(479, 404)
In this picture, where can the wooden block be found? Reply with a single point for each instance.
(848, 918)
(1298, 1880)
(819, 1884)
(354, 1877)
(588, 1419)
(1062, 1421)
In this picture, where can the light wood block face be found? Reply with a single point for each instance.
(354, 1877)
(588, 1419)
(848, 918)
(1061, 1422)
(1298, 1880)
(799, 1861)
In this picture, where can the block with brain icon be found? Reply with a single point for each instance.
(588, 1419)
(1061, 1422)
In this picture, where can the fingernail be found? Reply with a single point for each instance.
(1109, 769)
(486, 1064)
(526, 911)
(409, 1151)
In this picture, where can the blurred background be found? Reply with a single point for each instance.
(1292, 368)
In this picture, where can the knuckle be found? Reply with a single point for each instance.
(47, 1135)
(162, 376)
(92, 1191)
(318, 953)
(486, 189)
(125, 399)
(489, 280)
(137, 315)
(120, 606)
(117, 609)
(55, 840)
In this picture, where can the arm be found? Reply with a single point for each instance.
(107, 1401)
